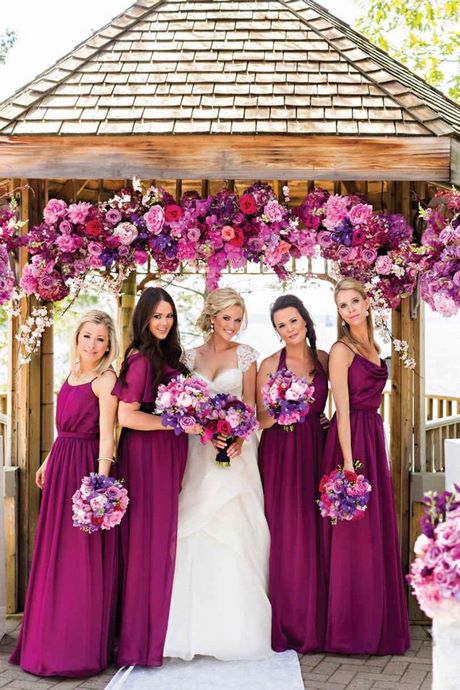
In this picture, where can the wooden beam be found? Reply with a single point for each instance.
(126, 304)
(227, 157)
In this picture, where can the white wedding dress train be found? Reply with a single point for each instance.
(219, 604)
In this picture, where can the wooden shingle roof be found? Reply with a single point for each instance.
(228, 67)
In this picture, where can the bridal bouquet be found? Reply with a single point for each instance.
(99, 503)
(287, 398)
(227, 417)
(344, 495)
(182, 402)
(435, 572)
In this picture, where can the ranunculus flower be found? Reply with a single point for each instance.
(238, 239)
(194, 234)
(173, 213)
(93, 227)
(228, 233)
(95, 248)
(155, 219)
(65, 227)
(248, 204)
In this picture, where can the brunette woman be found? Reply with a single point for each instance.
(152, 463)
(289, 463)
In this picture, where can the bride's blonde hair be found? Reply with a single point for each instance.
(343, 329)
(217, 301)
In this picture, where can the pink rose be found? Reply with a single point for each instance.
(343, 253)
(325, 239)
(155, 219)
(248, 204)
(369, 255)
(223, 427)
(194, 234)
(65, 227)
(359, 214)
(140, 256)
(173, 213)
(274, 211)
(54, 210)
(358, 237)
(228, 233)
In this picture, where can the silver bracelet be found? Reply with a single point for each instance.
(112, 459)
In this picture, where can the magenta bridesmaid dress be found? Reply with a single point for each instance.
(67, 624)
(152, 463)
(367, 611)
(289, 463)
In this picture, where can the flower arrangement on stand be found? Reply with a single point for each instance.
(435, 580)
(440, 279)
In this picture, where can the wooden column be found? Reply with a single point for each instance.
(126, 303)
(402, 384)
(29, 414)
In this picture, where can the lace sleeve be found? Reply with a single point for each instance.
(188, 358)
(246, 356)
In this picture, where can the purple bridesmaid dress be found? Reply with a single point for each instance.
(67, 622)
(367, 612)
(152, 463)
(289, 465)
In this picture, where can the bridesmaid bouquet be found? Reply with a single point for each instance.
(228, 417)
(182, 402)
(287, 398)
(99, 503)
(435, 572)
(344, 495)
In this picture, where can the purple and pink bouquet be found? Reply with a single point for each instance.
(287, 398)
(435, 572)
(440, 279)
(182, 402)
(7, 279)
(99, 503)
(229, 417)
(344, 495)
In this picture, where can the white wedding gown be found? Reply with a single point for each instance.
(219, 604)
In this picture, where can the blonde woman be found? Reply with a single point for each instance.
(219, 604)
(367, 602)
(67, 616)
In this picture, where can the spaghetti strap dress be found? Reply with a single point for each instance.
(367, 610)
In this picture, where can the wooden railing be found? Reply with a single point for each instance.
(437, 431)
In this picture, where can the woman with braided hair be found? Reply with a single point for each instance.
(289, 465)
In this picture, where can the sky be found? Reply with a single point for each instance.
(45, 32)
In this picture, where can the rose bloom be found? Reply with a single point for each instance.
(343, 253)
(140, 256)
(324, 239)
(173, 212)
(369, 255)
(65, 227)
(358, 237)
(187, 423)
(238, 240)
(228, 233)
(54, 210)
(383, 265)
(248, 204)
(155, 219)
(223, 427)
(113, 216)
(65, 243)
(283, 247)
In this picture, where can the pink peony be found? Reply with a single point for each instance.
(274, 211)
(383, 265)
(336, 210)
(126, 232)
(65, 243)
(54, 210)
(78, 212)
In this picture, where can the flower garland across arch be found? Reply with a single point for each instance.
(109, 239)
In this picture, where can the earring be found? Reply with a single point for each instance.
(343, 322)
(367, 312)
(212, 326)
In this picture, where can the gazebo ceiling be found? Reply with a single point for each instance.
(229, 67)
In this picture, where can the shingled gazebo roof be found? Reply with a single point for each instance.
(229, 67)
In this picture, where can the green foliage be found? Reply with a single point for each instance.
(7, 40)
(422, 34)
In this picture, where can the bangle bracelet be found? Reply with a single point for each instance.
(109, 459)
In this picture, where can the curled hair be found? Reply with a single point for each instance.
(286, 301)
(343, 329)
(217, 301)
(159, 353)
(100, 318)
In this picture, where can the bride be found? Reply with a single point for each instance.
(219, 604)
